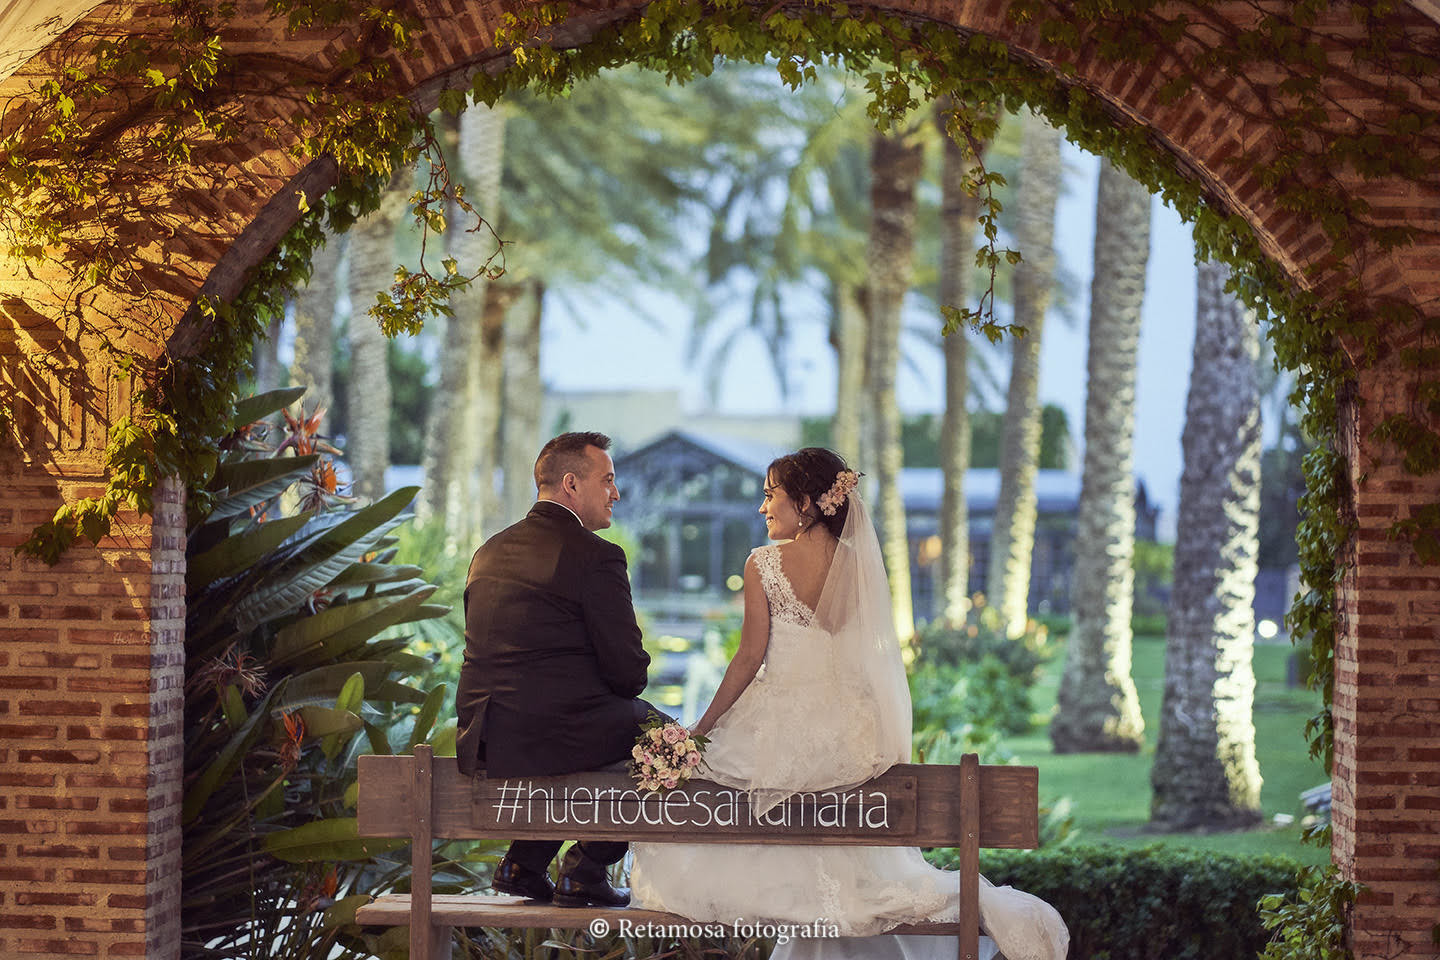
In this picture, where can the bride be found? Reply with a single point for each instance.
(816, 698)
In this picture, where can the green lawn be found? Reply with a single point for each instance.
(1109, 795)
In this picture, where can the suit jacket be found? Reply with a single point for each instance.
(553, 660)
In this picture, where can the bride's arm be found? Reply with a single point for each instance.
(754, 638)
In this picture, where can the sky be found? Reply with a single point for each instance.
(612, 348)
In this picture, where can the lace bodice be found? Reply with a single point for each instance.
(784, 605)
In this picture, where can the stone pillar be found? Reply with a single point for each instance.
(91, 711)
(1386, 779)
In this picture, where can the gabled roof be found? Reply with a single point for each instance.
(1056, 490)
(750, 455)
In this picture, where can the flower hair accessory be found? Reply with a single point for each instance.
(831, 499)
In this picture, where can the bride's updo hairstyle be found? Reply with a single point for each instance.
(811, 472)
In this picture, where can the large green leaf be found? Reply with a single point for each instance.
(228, 759)
(322, 685)
(234, 554)
(323, 558)
(326, 841)
(247, 483)
(324, 722)
(361, 574)
(427, 611)
(250, 409)
(343, 626)
(281, 594)
(426, 718)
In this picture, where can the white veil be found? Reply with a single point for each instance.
(855, 608)
(869, 729)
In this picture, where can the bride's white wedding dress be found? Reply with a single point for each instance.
(808, 714)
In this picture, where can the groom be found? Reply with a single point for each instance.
(553, 662)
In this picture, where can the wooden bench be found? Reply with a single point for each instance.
(423, 798)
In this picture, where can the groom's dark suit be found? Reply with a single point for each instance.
(553, 660)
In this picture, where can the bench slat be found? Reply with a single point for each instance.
(457, 910)
(921, 808)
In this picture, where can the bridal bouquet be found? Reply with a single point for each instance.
(665, 755)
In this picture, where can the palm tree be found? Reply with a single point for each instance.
(1013, 535)
(314, 314)
(456, 447)
(896, 160)
(850, 329)
(1099, 709)
(372, 268)
(1205, 772)
(520, 433)
(958, 213)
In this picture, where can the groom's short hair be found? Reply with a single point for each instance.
(566, 454)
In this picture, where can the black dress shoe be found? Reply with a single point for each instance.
(518, 881)
(570, 892)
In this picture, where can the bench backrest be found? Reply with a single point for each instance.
(966, 806)
(910, 805)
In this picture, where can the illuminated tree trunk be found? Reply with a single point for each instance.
(1012, 542)
(1099, 709)
(850, 339)
(520, 429)
(486, 400)
(372, 271)
(958, 211)
(895, 163)
(1205, 772)
(313, 367)
(454, 441)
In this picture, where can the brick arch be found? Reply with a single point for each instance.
(91, 651)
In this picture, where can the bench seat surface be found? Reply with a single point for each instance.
(464, 910)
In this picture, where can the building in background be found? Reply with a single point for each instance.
(690, 500)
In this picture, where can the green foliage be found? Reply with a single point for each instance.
(1154, 566)
(54, 173)
(1156, 902)
(970, 685)
(293, 667)
(1310, 922)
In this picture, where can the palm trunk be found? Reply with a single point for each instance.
(850, 334)
(1099, 709)
(958, 212)
(1013, 533)
(372, 269)
(485, 400)
(264, 357)
(313, 367)
(521, 427)
(1205, 772)
(895, 164)
(452, 440)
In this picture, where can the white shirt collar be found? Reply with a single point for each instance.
(559, 504)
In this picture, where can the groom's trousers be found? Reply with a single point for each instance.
(588, 859)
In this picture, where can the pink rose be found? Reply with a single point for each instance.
(670, 783)
(692, 759)
(674, 734)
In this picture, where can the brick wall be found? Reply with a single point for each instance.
(90, 650)
(1387, 698)
(91, 667)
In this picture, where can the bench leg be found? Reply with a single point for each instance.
(440, 942)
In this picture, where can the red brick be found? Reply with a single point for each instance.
(56, 899)
(69, 947)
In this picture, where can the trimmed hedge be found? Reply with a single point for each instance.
(1148, 903)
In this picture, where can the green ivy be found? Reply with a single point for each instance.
(178, 83)
(1310, 925)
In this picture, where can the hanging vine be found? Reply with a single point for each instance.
(159, 104)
